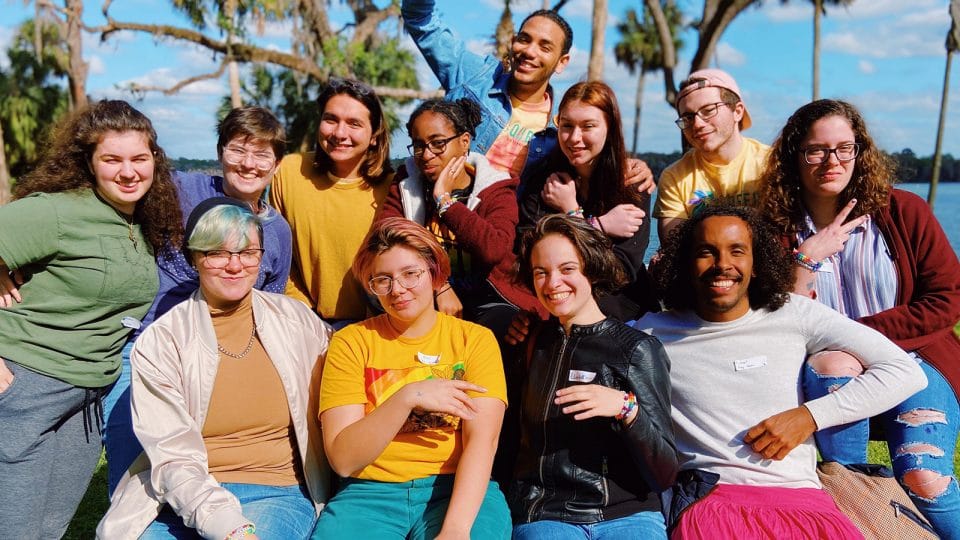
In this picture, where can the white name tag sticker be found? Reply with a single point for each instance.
(130, 322)
(581, 376)
(826, 266)
(750, 363)
(428, 359)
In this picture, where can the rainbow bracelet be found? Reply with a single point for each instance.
(576, 213)
(629, 404)
(242, 531)
(805, 261)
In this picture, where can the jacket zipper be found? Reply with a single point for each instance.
(606, 492)
(546, 413)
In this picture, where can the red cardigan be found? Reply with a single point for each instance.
(928, 293)
(487, 232)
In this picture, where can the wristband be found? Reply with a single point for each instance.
(805, 261)
(438, 200)
(242, 531)
(445, 206)
(442, 290)
(629, 403)
(577, 212)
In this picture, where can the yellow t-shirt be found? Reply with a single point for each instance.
(367, 363)
(329, 218)
(692, 181)
(509, 151)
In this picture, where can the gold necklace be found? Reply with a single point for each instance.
(245, 352)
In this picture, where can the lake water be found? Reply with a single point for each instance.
(946, 208)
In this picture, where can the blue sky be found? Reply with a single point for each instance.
(885, 56)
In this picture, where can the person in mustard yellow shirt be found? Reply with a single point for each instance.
(411, 404)
(330, 196)
(722, 164)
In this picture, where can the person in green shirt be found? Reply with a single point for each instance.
(81, 235)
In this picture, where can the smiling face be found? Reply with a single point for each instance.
(246, 177)
(559, 282)
(225, 287)
(345, 134)
(410, 309)
(582, 132)
(123, 167)
(826, 181)
(722, 268)
(431, 126)
(713, 137)
(537, 52)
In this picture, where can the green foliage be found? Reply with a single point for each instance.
(911, 168)
(33, 97)
(639, 45)
(291, 95)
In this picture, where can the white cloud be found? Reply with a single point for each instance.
(866, 67)
(6, 38)
(789, 12)
(167, 77)
(885, 42)
(270, 29)
(480, 46)
(97, 66)
(728, 56)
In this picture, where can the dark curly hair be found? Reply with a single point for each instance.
(463, 114)
(873, 171)
(66, 165)
(772, 277)
(599, 264)
(558, 20)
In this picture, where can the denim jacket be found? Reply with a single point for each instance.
(464, 74)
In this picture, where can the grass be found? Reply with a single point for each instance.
(95, 503)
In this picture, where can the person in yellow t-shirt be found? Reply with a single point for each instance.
(330, 197)
(411, 404)
(722, 164)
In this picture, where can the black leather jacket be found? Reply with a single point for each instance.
(585, 471)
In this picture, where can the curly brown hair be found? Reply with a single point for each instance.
(600, 266)
(873, 170)
(772, 268)
(67, 166)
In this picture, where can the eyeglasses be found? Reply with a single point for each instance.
(436, 146)
(220, 258)
(705, 113)
(408, 279)
(816, 155)
(262, 161)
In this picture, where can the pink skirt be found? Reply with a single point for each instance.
(756, 512)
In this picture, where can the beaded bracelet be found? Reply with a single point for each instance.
(577, 212)
(439, 198)
(445, 206)
(805, 261)
(629, 403)
(242, 531)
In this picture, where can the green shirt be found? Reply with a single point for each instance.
(88, 269)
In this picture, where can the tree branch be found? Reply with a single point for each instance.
(142, 89)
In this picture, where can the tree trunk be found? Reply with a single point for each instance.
(234, 75)
(595, 67)
(717, 15)
(4, 173)
(77, 72)
(817, 12)
(937, 149)
(636, 110)
(667, 49)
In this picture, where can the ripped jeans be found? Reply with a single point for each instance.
(921, 434)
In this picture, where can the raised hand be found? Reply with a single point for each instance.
(830, 240)
(623, 221)
(448, 302)
(560, 192)
(448, 175)
(639, 176)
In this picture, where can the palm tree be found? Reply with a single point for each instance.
(599, 30)
(639, 50)
(952, 44)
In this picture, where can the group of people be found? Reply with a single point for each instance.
(471, 346)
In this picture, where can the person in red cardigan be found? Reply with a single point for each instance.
(470, 206)
(879, 256)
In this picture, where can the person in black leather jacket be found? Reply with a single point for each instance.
(597, 442)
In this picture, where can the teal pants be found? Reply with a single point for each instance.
(406, 510)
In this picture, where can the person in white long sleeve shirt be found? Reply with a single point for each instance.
(737, 341)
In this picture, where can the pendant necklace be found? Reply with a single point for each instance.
(246, 351)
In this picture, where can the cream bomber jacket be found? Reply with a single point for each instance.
(174, 365)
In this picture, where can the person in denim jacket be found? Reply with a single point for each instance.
(517, 132)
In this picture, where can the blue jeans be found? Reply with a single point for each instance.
(119, 441)
(279, 513)
(921, 435)
(640, 525)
